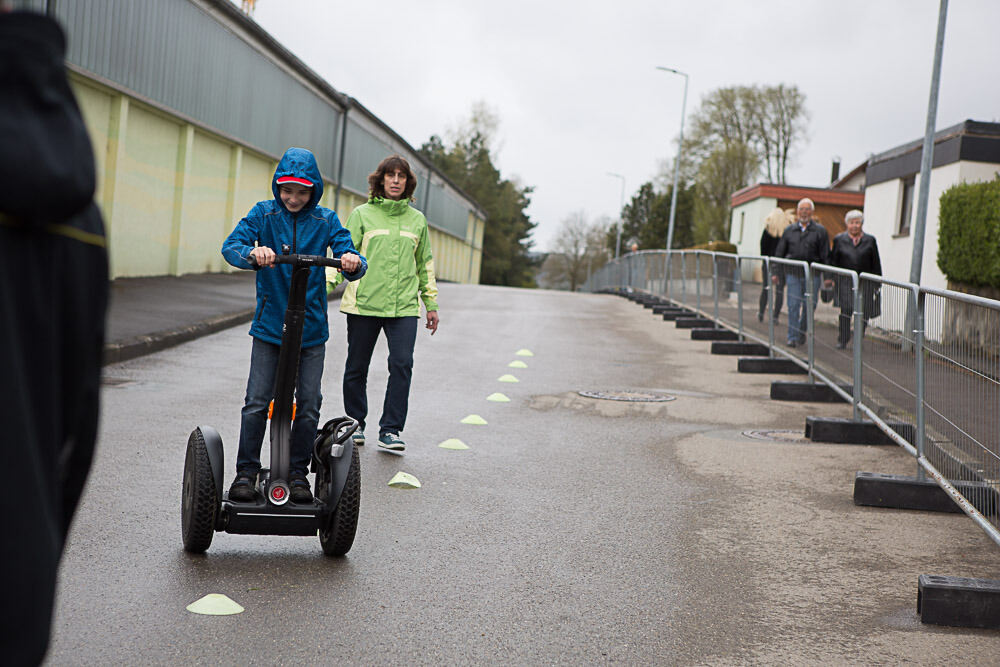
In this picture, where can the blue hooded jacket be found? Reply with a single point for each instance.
(308, 232)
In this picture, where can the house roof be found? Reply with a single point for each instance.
(970, 140)
(839, 183)
(794, 192)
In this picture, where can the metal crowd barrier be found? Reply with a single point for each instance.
(923, 364)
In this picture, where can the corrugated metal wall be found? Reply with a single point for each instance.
(190, 58)
(174, 53)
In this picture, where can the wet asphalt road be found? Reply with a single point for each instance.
(572, 531)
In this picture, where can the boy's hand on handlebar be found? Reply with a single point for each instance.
(264, 256)
(350, 262)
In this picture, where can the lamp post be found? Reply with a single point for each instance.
(677, 162)
(618, 236)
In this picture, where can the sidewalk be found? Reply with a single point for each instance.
(146, 315)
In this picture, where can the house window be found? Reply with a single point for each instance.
(905, 208)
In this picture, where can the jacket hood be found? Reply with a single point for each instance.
(300, 163)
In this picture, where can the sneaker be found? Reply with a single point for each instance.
(242, 489)
(358, 438)
(299, 488)
(392, 442)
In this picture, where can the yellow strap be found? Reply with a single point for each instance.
(60, 230)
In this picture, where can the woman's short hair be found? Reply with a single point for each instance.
(376, 180)
(855, 213)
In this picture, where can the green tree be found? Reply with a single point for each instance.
(738, 134)
(646, 217)
(467, 161)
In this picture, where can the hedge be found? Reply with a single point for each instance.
(715, 246)
(969, 233)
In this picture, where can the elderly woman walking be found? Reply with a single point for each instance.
(858, 252)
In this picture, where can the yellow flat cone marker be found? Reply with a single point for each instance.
(404, 480)
(215, 604)
(474, 419)
(453, 443)
(524, 353)
(517, 364)
(498, 398)
(507, 378)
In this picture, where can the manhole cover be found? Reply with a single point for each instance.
(629, 395)
(778, 435)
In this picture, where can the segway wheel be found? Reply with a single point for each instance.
(337, 536)
(199, 508)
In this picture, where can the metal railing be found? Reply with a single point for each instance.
(921, 363)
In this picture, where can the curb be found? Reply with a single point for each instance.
(143, 345)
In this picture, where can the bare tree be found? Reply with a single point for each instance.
(579, 249)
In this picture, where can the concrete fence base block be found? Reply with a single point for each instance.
(671, 315)
(807, 392)
(848, 432)
(693, 322)
(958, 601)
(738, 347)
(872, 489)
(713, 334)
(908, 493)
(764, 364)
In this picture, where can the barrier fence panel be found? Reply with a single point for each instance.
(923, 364)
(961, 402)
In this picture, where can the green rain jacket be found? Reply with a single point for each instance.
(393, 237)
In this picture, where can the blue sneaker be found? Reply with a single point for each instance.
(358, 438)
(391, 442)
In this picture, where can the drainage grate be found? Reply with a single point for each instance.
(629, 395)
(778, 435)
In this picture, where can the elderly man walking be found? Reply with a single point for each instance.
(804, 240)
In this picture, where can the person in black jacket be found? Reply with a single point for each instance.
(53, 296)
(805, 240)
(858, 252)
(774, 225)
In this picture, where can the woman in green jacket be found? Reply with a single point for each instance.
(393, 236)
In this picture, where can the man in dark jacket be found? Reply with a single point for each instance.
(53, 296)
(804, 240)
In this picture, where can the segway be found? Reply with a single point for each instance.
(333, 512)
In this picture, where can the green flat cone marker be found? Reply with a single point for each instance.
(507, 378)
(214, 604)
(404, 480)
(474, 419)
(517, 364)
(524, 353)
(453, 443)
(498, 398)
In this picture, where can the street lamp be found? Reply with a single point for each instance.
(618, 236)
(677, 162)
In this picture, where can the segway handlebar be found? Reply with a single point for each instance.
(299, 260)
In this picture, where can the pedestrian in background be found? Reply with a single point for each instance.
(53, 298)
(394, 237)
(774, 226)
(857, 251)
(293, 218)
(805, 240)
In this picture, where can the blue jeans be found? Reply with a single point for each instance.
(362, 332)
(795, 284)
(260, 391)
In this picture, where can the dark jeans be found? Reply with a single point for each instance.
(260, 391)
(401, 335)
(797, 315)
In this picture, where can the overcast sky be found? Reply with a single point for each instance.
(576, 90)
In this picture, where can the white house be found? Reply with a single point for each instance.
(964, 153)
